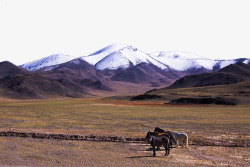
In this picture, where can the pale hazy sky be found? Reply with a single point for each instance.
(33, 29)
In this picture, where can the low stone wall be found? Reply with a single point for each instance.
(70, 137)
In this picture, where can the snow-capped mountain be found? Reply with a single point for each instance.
(184, 61)
(47, 61)
(120, 56)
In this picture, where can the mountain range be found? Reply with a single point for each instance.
(114, 70)
(120, 56)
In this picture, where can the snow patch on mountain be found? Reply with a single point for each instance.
(113, 61)
(177, 55)
(47, 61)
(207, 63)
(75, 61)
(224, 63)
(179, 61)
(101, 54)
(134, 55)
(246, 61)
(183, 61)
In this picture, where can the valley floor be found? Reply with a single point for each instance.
(205, 123)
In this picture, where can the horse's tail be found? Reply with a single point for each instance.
(187, 141)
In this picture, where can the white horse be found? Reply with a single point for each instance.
(180, 137)
(177, 137)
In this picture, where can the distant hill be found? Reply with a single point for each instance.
(21, 86)
(238, 93)
(17, 82)
(231, 74)
(7, 68)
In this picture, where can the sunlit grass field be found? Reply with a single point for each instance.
(134, 119)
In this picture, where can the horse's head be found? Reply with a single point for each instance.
(149, 137)
(157, 129)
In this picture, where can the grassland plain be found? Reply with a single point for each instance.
(119, 118)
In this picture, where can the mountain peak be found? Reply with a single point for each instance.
(120, 56)
(97, 56)
(47, 61)
(117, 46)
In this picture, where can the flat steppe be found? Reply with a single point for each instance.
(122, 118)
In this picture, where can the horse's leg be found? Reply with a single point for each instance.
(187, 142)
(166, 149)
(154, 151)
(182, 143)
(171, 143)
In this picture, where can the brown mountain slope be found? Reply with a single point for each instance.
(7, 68)
(142, 74)
(16, 82)
(77, 73)
(229, 75)
(136, 79)
(21, 86)
(240, 69)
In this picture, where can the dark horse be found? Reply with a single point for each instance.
(158, 141)
(162, 132)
